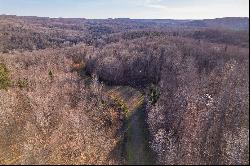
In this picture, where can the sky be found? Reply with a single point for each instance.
(144, 9)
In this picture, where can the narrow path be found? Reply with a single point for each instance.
(138, 151)
(135, 147)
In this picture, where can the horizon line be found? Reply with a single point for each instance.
(122, 17)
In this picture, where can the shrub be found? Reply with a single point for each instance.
(4, 77)
(51, 75)
(154, 95)
(120, 104)
(22, 83)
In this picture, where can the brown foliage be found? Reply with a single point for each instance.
(54, 114)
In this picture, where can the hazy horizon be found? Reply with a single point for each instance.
(133, 9)
(120, 17)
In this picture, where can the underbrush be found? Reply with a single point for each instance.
(4, 77)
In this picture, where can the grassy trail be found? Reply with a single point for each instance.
(137, 145)
(136, 142)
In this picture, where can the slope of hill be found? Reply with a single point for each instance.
(234, 23)
(57, 116)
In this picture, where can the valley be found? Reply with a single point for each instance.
(124, 91)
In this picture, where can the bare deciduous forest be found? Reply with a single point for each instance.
(124, 91)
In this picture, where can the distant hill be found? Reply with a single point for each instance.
(232, 23)
(235, 23)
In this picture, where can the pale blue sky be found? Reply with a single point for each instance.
(175, 9)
